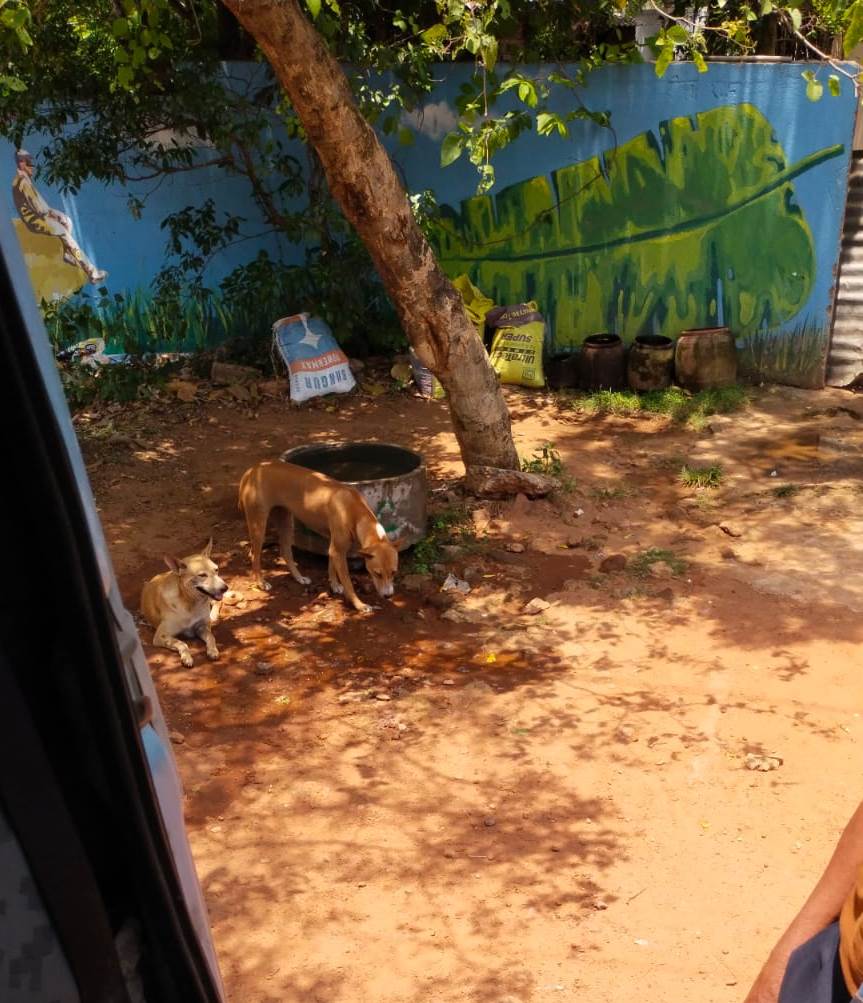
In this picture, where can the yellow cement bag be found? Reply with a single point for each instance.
(516, 348)
(476, 304)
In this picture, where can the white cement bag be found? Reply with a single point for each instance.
(316, 364)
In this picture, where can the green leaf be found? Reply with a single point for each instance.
(814, 89)
(451, 148)
(527, 93)
(835, 85)
(125, 76)
(12, 84)
(488, 51)
(663, 60)
(677, 34)
(854, 27)
(435, 36)
(637, 239)
(698, 59)
(314, 7)
(120, 27)
(766, 7)
(406, 136)
(796, 18)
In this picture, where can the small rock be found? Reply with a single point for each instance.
(184, 389)
(264, 669)
(573, 542)
(463, 614)
(614, 562)
(228, 372)
(515, 548)
(579, 512)
(474, 573)
(273, 388)
(177, 737)
(503, 557)
(439, 569)
(239, 392)
(536, 605)
(441, 600)
(451, 551)
(447, 682)
(382, 696)
(415, 583)
(659, 569)
(449, 854)
(555, 849)
(489, 821)
(728, 554)
(357, 366)
(764, 764)
(667, 594)
(453, 584)
(600, 905)
(231, 598)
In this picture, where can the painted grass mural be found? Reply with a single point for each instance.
(692, 225)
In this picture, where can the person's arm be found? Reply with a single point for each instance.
(819, 911)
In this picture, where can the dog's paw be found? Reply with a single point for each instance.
(365, 609)
(337, 589)
(212, 654)
(303, 580)
(187, 659)
(264, 586)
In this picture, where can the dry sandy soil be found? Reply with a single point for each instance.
(499, 807)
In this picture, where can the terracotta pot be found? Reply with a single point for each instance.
(603, 363)
(706, 358)
(651, 362)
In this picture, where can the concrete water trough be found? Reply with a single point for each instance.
(392, 479)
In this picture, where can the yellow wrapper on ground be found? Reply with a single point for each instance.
(516, 348)
(476, 304)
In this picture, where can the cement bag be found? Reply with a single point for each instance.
(427, 383)
(316, 365)
(516, 347)
(476, 304)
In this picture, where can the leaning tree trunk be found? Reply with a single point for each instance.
(363, 181)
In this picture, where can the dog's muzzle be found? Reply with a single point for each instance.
(215, 596)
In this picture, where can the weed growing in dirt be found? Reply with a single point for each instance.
(701, 477)
(640, 564)
(546, 460)
(611, 494)
(109, 384)
(676, 403)
(450, 525)
(786, 490)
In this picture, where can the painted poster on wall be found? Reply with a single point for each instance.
(57, 265)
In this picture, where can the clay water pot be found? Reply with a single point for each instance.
(603, 363)
(705, 358)
(651, 362)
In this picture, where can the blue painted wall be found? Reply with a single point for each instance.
(790, 345)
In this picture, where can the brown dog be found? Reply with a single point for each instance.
(327, 507)
(184, 602)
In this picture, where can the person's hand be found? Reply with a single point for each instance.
(766, 987)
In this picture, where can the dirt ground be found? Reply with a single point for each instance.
(489, 806)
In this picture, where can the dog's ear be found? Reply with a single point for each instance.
(364, 554)
(173, 564)
(208, 549)
(397, 542)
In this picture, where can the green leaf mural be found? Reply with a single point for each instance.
(689, 226)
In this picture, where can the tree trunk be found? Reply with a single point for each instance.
(363, 181)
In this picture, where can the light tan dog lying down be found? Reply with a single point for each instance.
(326, 506)
(184, 602)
